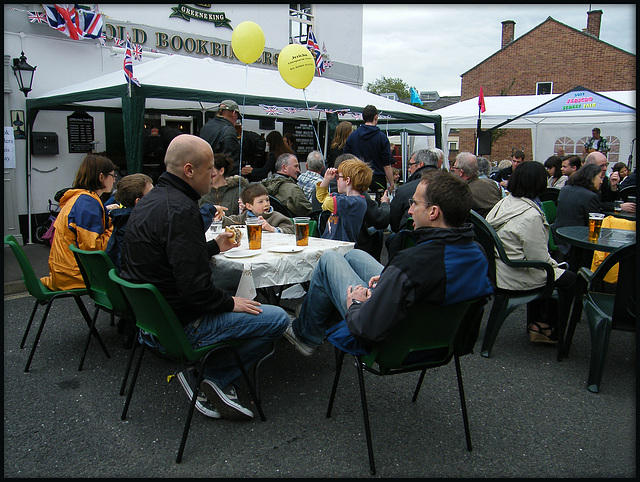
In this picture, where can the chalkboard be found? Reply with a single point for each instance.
(80, 132)
(305, 138)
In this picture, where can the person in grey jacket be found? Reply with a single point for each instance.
(220, 132)
(523, 229)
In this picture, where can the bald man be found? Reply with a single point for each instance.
(165, 245)
(608, 191)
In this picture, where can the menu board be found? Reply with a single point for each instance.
(80, 132)
(305, 138)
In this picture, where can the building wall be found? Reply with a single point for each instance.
(551, 52)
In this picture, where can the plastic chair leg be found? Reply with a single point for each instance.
(417, 390)
(35, 342)
(600, 334)
(133, 383)
(463, 403)
(187, 423)
(256, 380)
(129, 363)
(576, 314)
(496, 319)
(92, 330)
(26, 331)
(86, 346)
(365, 416)
(339, 361)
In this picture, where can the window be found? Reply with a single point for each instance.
(453, 146)
(544, 88)
(300, 20)
(568, 146)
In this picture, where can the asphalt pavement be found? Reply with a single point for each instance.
(530, 416)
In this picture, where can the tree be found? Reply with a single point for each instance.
(384, 85)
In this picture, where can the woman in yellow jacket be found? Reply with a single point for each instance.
(83, 220)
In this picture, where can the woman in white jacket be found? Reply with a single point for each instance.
(523, 229)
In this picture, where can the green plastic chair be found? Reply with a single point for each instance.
(45, 296)
(429, 337)
(605, 311)
(106, 295)
(154, 315)
(506, 301)
(549, 208)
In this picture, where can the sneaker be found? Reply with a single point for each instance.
(301, 346)
(226, 402)
(187, 379)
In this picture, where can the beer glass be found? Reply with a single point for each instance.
(254, 232)
(302, 231)
(595, 223)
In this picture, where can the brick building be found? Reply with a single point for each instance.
(550, 58)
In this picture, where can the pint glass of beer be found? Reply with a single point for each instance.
(302, 231)
(254, 232)
(595, 223)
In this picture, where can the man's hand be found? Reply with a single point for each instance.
(224, 241)
(246, 170)
(629, 207)
(373, 281)
(359, 293)
(614, 179)
(385, 197)
(244, 305)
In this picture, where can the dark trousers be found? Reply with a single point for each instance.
(545, 310)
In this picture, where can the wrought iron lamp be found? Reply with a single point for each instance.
(24, 73)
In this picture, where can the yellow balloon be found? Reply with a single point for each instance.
(296, 66)
(247, 41)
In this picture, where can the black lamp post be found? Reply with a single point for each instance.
(24, 74)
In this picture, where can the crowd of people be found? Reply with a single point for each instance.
(156, 234)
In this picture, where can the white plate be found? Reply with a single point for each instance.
(242, 253)
(286, 249)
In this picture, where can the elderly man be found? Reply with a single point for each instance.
(283, 186)
(308, 179)
(608, 191)
(485, 192)
(444, 267)
(165, 245)
(422, 161)
(220, 132)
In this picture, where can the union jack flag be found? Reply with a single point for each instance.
(137, 52)
(74, 23)
(325, 57)
(39, 17)
(119, 42)
(128, 64)
(270, 109)
(314, 48)
(103, 39)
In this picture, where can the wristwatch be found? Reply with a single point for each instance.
(356, 302)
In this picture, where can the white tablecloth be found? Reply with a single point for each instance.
(272, 268)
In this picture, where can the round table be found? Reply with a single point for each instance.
(608, 241)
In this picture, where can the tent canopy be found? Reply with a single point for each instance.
(572, 114)
(185, 83)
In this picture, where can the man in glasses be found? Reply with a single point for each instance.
(445, 266)
(422, 161)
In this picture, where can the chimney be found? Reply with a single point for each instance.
(508, 31)
(593, 23)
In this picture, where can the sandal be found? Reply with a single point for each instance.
(539, 336)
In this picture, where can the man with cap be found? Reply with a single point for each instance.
(221, 132)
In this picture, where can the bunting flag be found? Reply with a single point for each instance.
(75, 23)
(481, 101)
(119, 42)
(415, 98)
(328, 63)
(137, 52)
(314, 48)
(39, 17)
(128, 64)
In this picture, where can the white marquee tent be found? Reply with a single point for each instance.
(551, 117)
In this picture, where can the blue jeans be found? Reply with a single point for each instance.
(326, 300)
(257, 331)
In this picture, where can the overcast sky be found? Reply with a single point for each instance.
(430, 46)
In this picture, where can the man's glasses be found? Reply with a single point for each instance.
(414, 163)
(456, 168)
(114, 176)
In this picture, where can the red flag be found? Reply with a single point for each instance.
(481, 101)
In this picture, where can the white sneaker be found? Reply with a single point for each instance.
(225, 403)
(301, 346)
(187, 379)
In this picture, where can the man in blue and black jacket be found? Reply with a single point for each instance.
(446, 266)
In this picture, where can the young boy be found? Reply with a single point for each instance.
(255, 198)
(349, 206)
(130, 189)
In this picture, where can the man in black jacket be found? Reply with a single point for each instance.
(165, 245)
(220, 132)
(444, 267)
